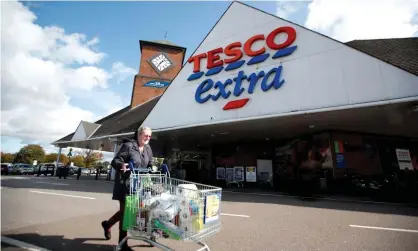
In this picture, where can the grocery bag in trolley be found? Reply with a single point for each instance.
(130, 212)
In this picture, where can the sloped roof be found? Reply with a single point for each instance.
(127, 120)
(66, 138)
(400, 52)
(89, 127)
(123, 121)
(100, 121)
(165, 42)
(161, 43)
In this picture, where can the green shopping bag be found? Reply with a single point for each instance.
(131, 211)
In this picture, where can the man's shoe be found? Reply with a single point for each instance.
(106, 229)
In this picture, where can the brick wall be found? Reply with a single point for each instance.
(140, 93)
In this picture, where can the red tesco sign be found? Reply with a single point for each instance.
(235, 50)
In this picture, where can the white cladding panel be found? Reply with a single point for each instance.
(80, 133)
(320, 73)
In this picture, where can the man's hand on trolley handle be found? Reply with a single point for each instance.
(124, 167)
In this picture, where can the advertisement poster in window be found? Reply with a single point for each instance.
(239, 173)
(220, 173)
(251, 174)
(404, 159)
(229, 174)
(340, 160)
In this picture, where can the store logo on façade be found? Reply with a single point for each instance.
(237, 85)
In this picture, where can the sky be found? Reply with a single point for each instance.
(63, 62)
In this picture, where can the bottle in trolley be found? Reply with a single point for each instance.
(159, 206)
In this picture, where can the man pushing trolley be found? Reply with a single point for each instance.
(154, 206)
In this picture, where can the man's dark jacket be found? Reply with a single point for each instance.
(128, 151)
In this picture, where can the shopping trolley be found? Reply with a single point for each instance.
(159, 206)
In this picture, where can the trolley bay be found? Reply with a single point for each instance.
(54, 222)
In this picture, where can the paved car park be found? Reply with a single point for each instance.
(65, 215)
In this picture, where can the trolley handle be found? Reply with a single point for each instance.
(131, 165)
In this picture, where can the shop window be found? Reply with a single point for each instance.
(352, 148)
(370, 147)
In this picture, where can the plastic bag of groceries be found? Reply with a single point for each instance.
(164, 207)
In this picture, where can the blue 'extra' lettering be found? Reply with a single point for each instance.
(252, 80)
(202, 88)
(219, 85)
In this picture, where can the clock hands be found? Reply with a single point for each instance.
(161, 63)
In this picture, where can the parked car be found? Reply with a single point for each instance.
(6, 168)
(49, 168)
(22, 169)
(73, 170)
(104, 171)
(36, 168)
(85, 171)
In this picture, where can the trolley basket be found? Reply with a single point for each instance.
(159, 206)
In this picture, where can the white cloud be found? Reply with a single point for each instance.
(122, 72)
(43, 68)
(286, 8)
(347, 20)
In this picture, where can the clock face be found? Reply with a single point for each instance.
(161, 62)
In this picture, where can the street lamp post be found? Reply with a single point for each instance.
(69, 162)
(69, 155)
(58, 160)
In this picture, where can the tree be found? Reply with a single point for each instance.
(78, 160)
(52, 157)
(90, 157)
(103, 164)
(29, 153)
(7, 157)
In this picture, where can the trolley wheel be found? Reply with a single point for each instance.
(153, 238)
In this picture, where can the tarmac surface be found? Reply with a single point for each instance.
(54, 214)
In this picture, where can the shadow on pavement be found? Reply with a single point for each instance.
(85, 184)
(60, 243)
(379, 208)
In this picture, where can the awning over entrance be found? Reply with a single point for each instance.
(393, 119)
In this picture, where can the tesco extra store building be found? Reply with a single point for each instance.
(257, 85)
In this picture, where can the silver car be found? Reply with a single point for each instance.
(22, 169)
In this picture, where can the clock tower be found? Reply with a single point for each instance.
(160, 62)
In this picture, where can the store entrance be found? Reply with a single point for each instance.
(192, 165)
(192, 170)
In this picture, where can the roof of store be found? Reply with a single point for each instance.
(127, 120)
(400, 52)
(161, 43)
(123, 121)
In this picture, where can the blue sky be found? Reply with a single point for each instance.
(63, 62)
(120, 25)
